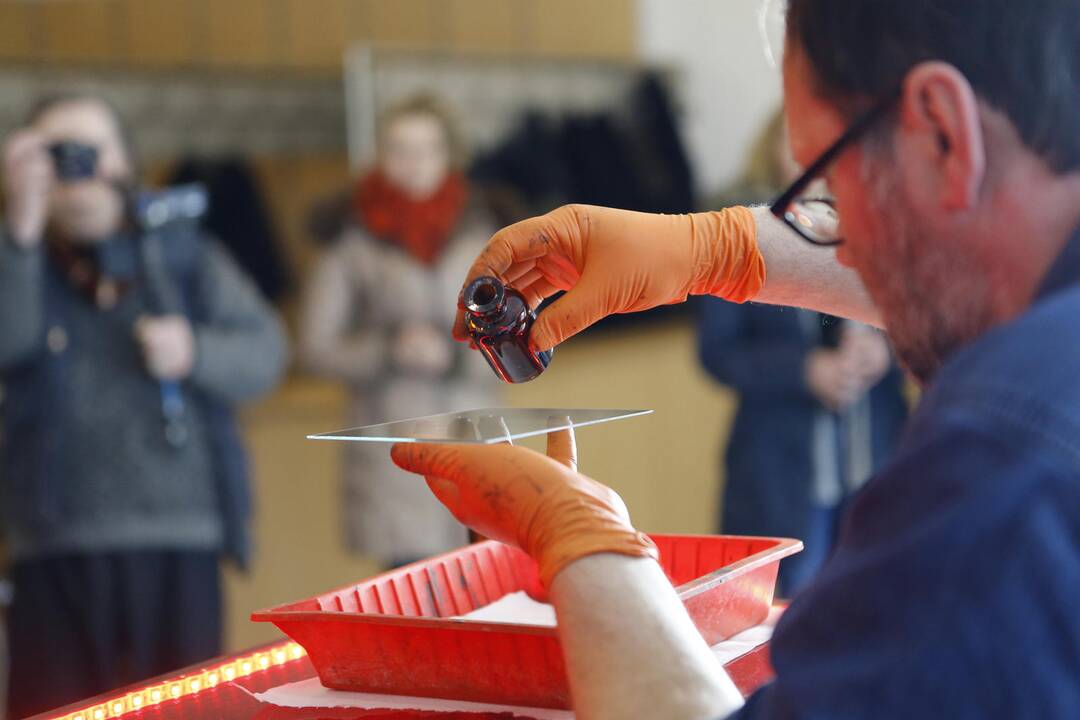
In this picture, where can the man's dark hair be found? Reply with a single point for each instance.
(51, 101)
(1020, 56)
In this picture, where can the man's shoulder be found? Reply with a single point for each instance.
(1000, 427)
(950, 591)
(1046, 338)
(1020, 377)
(955, 573)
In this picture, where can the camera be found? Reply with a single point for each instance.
(74, 160)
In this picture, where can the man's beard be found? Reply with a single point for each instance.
(932, 295)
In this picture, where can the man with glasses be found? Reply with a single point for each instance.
(947, 133)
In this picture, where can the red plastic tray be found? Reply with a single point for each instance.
(394, 633)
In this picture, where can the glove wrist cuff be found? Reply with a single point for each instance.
(565, 550)
(727, 261)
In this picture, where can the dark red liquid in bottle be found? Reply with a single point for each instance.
(498, 320)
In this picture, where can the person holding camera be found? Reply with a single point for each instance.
(122, 470)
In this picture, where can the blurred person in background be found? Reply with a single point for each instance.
(378, 314)
(115, 526)
(821, 402)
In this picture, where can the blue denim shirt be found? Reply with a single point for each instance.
(954, 591)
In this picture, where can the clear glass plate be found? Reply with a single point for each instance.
(485, 426)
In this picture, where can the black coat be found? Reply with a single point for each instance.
(760, 352)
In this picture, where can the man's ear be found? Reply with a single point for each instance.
(938, 103)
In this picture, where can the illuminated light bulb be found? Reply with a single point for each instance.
(297, 651)
(135, 700)
(99, 713)
(195, 685)
(246, 667)
(78, 717)
(118, 708)
(156, 695)
(264, 661)
(176, 690)
(280, 656)
(229, 672)
(212, 678)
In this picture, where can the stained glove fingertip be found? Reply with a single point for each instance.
(404, 456)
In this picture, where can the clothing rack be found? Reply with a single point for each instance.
(215, 113)
(488, 92)
(198, 111)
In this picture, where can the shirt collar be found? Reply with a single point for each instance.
(1065, 271)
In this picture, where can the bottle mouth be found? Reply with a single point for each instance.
(483, 295)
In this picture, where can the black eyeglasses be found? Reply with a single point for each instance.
(815, 218)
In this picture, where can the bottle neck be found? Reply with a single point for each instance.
(490, 315)
(485, 299)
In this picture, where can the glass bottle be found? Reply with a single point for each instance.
(498, 320)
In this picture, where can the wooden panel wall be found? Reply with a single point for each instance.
(303, 34)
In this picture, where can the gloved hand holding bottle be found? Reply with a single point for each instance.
(617, 261)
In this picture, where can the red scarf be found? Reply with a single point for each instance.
(420, 227)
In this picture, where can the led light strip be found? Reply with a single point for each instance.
(188, 685)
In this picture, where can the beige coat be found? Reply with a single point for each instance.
(362, 291)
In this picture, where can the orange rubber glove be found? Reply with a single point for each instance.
(539, 503)
(617, 261)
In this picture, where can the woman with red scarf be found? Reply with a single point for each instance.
(378, 314)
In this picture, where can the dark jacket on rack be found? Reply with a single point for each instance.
(238, 217)
(631, 157)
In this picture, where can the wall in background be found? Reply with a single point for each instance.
(729, 87)
(303, 34)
